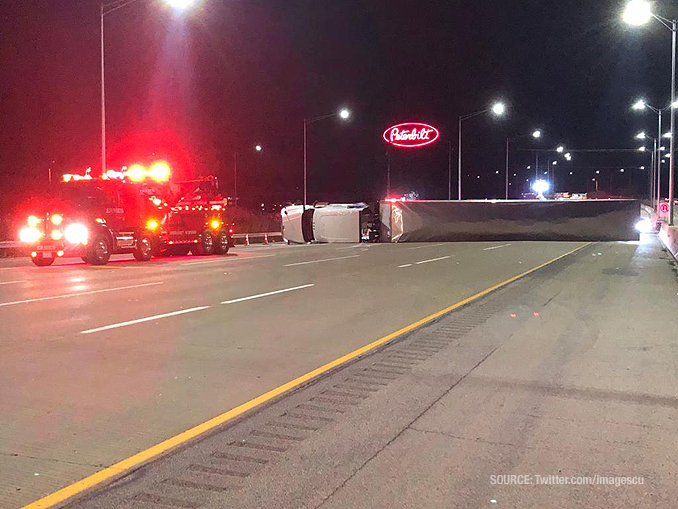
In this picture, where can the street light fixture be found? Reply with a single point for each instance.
(105, 9)
(639, 12)
(560, 149)
(498, 109)
(258, 148)
(344, 114)
(639, 105)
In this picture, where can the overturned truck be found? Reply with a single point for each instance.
(463, 221)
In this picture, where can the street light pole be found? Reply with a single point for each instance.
(103, 99)
(235, 178)
(498, 109)
(305, 167)
(672, 155)
(449, 170)
(536, 135)
(507, 168)
(107, 8)
(343, 114)
(639, 12)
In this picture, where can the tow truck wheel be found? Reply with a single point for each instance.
(222, 242)
(44, 261)
(99, 251)
(144, 249)
(205, 246)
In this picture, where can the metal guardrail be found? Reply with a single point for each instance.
(244, 238)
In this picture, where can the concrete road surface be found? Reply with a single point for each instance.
(97, 364)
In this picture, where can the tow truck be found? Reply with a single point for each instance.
(136, 210)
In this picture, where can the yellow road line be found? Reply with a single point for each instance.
(163, 447)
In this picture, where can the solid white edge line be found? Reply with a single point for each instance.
(39, 299)
(433, 260)
(233, 301)
(403, 266)
(141, 320)
(319, 261)
(495, 247)
(12, 282)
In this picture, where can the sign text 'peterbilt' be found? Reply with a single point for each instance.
(411, 134)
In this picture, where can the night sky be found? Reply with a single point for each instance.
(195, 88)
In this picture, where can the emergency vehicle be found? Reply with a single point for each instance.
(136, 210)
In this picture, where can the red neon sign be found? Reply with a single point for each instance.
(411, 135)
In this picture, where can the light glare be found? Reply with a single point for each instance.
(344, 113)
(639, 105)
(540, 186)
(637, 12)
(29, 235)
(536, 134)
(76, 233)
(498, 109)
(159, 171)
(644, 225)
(180, 4)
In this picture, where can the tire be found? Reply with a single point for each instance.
(205, 246)
(144, 248)
(222, 243)
(43, 262)
(99, 250)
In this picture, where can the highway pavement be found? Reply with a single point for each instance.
(99, 363)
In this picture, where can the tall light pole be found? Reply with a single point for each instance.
(639, 12)
(343, 114)
(641, 105)
(258, 148)
(536, 135)
(655, 161)
(105, 9)
(497, 109)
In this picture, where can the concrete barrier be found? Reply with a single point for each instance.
(669, 237)
(457, 221)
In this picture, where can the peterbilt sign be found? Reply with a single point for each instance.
(411, 134)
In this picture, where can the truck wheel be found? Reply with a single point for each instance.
(99, 251)
(222, 242)
(205, 246)
(43, 262)
(144, 248)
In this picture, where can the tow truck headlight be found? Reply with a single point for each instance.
(215, 223)
(33, 220)
(57, 235)
(152, 224)
(76, 233)
(57, 219)
(29, 235)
